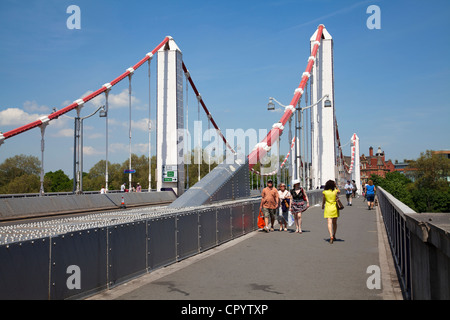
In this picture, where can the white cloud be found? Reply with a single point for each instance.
(90, 151)
(17, 117)
(141, 124)
(32, 106)
(117, 147)
(124, 148)
(115, 101)
(64, 133)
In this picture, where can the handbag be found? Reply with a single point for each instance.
(339, 204)
(290, 218)
(261, 222)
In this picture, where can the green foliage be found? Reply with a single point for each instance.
(20, 174)
(430, 192)
(17, 166)
(26, 183)
(57, 181)
(193, 168)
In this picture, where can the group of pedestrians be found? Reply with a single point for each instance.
(276, 204)
(295, 202)
(123, 188)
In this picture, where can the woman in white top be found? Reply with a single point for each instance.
(285, 197)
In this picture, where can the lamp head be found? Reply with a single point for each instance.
(270, 105)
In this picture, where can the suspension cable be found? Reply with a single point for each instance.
(82, 101)
(208, 114)
(261, 149)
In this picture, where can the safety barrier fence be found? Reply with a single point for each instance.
(420, 245)
(81, 263)
(101, 258)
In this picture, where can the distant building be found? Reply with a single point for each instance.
(444, 153)
(375, 164)
(404, 168)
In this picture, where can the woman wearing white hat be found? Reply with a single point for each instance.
(299, 203)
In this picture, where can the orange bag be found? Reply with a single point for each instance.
(261, 223)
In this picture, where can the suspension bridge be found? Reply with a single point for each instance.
(77, 245)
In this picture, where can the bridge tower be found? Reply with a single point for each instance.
(323, 159)
(356, 174)
(170, 119)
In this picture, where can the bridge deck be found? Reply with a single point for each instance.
(280, 265)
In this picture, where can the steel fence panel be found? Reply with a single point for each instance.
(187, 234)
(207, 229)
(127, 251)
(85, 250)
(223, 224)
(161, 242)
(248, 217)
(24, 270)
(237, 221)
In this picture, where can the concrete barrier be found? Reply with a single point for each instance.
(17, 208)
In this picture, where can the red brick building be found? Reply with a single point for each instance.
(374, 164)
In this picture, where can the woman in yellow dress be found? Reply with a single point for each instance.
(331, 212)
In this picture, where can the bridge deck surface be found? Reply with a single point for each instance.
(280, 265)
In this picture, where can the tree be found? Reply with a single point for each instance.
(57, 181)
(192, 171)
(17, 166)
(432, 170)
(431, 192)
(396, 184)
(26, 183)
(20, 174)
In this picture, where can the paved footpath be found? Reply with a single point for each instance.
(280, 265)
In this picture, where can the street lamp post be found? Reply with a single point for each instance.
(80, 189)
(298, 118)
(104, 114)
(78, 147)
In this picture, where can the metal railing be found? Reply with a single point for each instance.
(420, 245)
(393, 212)
(112, 253)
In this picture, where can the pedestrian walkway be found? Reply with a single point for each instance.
(279, 265)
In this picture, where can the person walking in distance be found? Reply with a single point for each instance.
(370, 194)
(285, 198)
(331, 212)
(270, 202)
(354, 188)
(299, 203)
(348, 192)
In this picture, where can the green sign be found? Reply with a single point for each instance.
(170, 173)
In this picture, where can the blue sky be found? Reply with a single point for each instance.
(391, 84)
